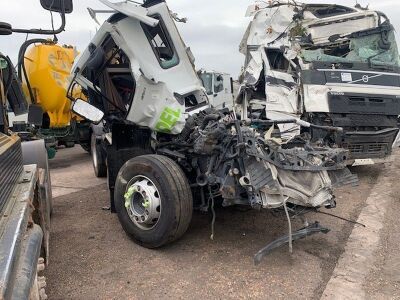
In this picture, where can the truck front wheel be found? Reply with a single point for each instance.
(153, 200)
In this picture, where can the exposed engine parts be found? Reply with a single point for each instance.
(245, 167)
(242, 165)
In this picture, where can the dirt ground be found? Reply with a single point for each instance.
(383, 281)
(92, 258)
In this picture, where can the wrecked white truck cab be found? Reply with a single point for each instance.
(146, 57)
(329, 65)
(168, 153)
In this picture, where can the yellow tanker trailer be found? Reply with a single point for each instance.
(44, 72)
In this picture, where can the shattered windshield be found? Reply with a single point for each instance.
(366, 49)
(207, 78)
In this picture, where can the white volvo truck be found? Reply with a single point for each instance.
(326, 64)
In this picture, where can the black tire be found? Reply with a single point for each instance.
(86, 147)
(98, 158)
(69, 144)
(175, 194)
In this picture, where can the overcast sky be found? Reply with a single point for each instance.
(214, 29)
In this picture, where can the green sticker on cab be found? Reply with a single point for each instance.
(169, 117)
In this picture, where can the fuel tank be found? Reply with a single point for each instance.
(48, 67)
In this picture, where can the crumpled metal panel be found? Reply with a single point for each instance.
(269, 24)
(308, 189)
(155, 108)
(254, 68)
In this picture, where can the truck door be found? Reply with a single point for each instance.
(223, 94)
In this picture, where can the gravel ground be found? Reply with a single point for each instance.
(383, 281)
(92, 258)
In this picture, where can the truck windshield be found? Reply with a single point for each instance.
(207, 79)
(366, 49)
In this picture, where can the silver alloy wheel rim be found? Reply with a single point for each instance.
(143, 202)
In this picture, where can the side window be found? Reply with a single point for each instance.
(277, 60)
(161, 44)
(109, 70)
(207, 79)
(218, 83)
(322, 11)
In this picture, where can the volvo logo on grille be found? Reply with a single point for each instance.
(365, 78)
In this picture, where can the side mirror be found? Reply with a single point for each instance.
(5, 28)
(60, 6)
(220, 78)
(87, 111)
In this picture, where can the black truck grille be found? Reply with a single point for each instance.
(346, 103)
(370, 123)
(369, 150)
(10, 166)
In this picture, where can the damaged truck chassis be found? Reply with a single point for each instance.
(168, 153)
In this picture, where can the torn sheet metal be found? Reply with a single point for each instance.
(281, 92)
(287, 131)
(268, 26)
(322, 29)
(254, 68)
(162, 114)
(137, 12)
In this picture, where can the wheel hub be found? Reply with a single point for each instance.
(142, 202)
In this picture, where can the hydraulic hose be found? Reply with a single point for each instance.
(21, 63)
(8, 82)
(208, 119)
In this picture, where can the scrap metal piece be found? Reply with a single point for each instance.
(259, 175)
(343, 177)
(300, 234)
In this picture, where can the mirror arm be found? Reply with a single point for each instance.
(71, 85)
(43, 31)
